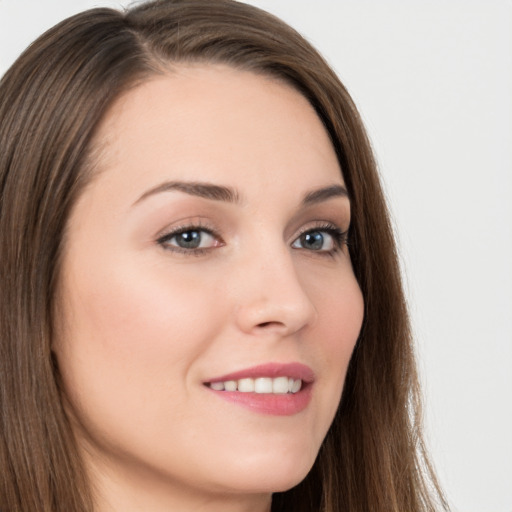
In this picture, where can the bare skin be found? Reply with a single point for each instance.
(167, 286)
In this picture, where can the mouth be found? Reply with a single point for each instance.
(275, 389)
(262, 385)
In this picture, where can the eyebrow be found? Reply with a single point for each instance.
(206, 190)
(230, 195)
(323, 194)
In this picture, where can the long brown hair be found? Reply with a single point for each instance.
(51, 101)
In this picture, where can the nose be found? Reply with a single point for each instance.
(271, 298)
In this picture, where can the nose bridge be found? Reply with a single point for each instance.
(271, 296)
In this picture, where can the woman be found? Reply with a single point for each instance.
(188, 322)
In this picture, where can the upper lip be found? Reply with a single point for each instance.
(272, 370)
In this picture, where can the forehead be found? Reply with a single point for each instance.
(219, 124)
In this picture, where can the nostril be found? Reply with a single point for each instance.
(271, 326)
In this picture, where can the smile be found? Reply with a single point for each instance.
(274, 389)
(264, 385)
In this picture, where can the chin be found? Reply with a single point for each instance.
(276, 474)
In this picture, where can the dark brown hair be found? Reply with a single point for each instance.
(51, 102)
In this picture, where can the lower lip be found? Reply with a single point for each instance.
(267, 403)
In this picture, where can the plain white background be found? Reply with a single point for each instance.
(433, 81)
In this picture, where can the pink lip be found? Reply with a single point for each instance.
(272, 404)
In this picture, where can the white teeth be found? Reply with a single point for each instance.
(246, 385)
(297, 384)
(280, 385)
(262, 385)
(230, 385)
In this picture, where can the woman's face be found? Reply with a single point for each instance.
(207, 254)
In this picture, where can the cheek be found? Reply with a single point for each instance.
(341, 311)
(339, 303)
(345, 322)
(128, 342)
(126, 312)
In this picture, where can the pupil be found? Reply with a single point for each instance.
(313, 240)
(189, 239)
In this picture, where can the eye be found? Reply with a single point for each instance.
(189, 239)
(325, 240)
(314, 241)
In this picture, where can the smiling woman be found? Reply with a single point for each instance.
(201, 307)
(143, 335)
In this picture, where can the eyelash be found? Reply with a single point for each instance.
(198, 227)
(339, 237)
